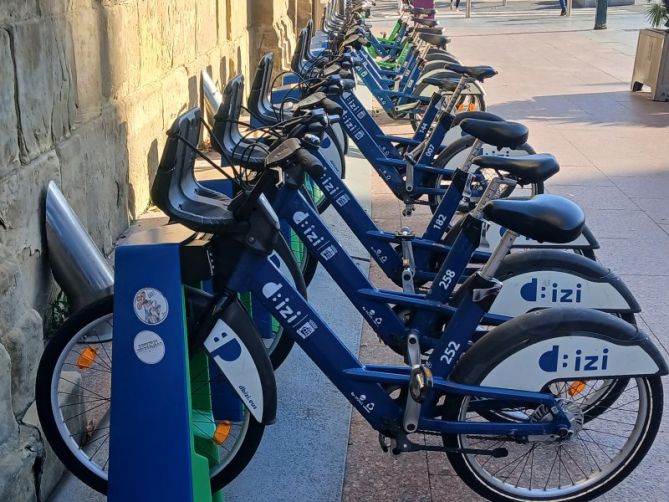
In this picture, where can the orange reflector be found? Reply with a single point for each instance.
(222, 432)
(86, 358)
(461, 107)
(472, 107)
(576, 388)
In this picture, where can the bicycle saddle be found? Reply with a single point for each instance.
(433, 39)
(167, 191)
(480, 73)
(475, 115)
(497, 133)
(545, 218)
(446, 83)
(437, 30)
(527, 169)
(430, 23)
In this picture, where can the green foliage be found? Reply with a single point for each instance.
(59, 311)
(658, 14)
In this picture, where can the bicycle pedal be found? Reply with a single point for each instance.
(382, 442)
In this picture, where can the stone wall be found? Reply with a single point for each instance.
(87, 90)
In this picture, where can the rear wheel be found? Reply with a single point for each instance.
(601, 453)
(466, 103)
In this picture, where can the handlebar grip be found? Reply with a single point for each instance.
(309, 163)
(331, 107)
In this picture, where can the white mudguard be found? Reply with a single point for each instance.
(233, 358)
(549, 288)
(569, 357)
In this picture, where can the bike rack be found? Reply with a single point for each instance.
(155, 453)
(76, 262)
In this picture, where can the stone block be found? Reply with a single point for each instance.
(45, 82)
(157, 38)
(21, 202)
(123, 52)
(94, 177)
(8, 426)
(90, 50)
(52, 7)
(143, 112)
(12, 11)
(9, 141)
(206, 26)
(176, 95)
(24, 343)
(17, 478)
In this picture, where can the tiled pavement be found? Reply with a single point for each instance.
(570, 86)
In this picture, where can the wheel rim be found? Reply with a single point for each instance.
(90, 444)
(600, 449)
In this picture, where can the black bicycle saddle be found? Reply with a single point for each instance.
(475, 115)
(545, 218)
(478, 72)
(433, 38)
(526, 169)
(497, 133)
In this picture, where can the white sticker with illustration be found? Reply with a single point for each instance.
(150, 306)
(149, 347)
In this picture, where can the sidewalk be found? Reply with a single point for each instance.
(570, 86)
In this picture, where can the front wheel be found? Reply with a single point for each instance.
(73, 398)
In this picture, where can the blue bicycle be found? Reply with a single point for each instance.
(502, 429)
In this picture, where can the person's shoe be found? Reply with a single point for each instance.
(563, 12)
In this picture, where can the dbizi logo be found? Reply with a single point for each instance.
(578, 361)
(531, 292)
(222, 344)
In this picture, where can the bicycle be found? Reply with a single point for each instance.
(466, 398)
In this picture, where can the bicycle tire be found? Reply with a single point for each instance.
(45, 406)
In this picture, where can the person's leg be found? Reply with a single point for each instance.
(457, 4)
(563, 7)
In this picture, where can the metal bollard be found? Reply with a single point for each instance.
(76, 262)
(212, 96)
(600, 14)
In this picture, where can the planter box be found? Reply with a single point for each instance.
(651, 65)
(591, 4)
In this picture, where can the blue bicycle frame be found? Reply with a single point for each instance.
(379, 150)
(363, 385)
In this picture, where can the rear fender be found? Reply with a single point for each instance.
(539, 279)
(535, 349)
